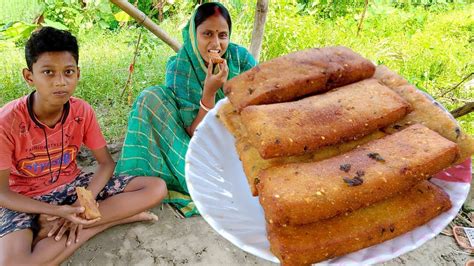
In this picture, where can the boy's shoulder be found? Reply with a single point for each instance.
(79, 103)
(12, 109)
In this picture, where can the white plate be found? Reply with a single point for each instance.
(219, 188)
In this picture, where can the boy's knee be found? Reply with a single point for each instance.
(161, 188)
(158, 189)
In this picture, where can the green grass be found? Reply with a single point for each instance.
(14, 10)
(433, 48)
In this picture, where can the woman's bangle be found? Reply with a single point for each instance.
(205, 108)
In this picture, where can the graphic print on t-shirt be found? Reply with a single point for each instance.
(38, 164)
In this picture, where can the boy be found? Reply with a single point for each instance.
(40, 135)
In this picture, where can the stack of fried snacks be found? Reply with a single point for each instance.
(425, 111)
(297, 74)
(303, 193)
(339, 162)
(343, 114)
(253, 163)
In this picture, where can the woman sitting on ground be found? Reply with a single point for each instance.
(163, 118)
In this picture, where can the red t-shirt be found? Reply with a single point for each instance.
(23, 150)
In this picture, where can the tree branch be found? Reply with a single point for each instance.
(463, 110)
(455, 87)
(142, 19)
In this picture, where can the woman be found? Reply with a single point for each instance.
(163, 118)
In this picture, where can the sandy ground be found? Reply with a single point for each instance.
(175, 241)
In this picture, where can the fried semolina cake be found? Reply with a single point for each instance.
(426, 112)
(297, 74)
(231, 120)
(306, 244)
(343, 114)
(87, 200)
(253, 163)
(303, 193)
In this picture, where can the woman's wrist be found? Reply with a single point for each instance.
(207, 102)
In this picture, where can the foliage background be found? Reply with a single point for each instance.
(430, 43)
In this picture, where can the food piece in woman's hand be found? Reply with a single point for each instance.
(215, 58)
(91, 211)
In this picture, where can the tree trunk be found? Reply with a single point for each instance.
(141, 18)
(463, 110)
(258, 28)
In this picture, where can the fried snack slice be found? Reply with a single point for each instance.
(303, 245)
(231, 120)
(253, 163)
(291, 76)
(215, 58)
(88, 202)
(426, 112)
(343, 114)
(303, 193)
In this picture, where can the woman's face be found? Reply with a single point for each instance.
(212, 36)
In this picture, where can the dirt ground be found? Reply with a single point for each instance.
(176, 241)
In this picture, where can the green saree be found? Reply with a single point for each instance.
(156, 140)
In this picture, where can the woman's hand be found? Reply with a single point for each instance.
(213, 82)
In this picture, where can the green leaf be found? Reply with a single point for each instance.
(54, 24)
(19, 30)
(122, 16)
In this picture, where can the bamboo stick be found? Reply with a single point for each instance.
(141, 18)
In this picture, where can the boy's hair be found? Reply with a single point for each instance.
(210, 9)
(49, 39)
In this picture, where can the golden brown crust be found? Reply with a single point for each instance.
(231, 120)
(88, 202)
(425, 112)
(302, 245)
(305, 193)
(347, 113)
(297, 74)
(215, 58)
(253, 163)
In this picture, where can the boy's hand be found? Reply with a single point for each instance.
(61, 227)
(71, 213)
(68, 224)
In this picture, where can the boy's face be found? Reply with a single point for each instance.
(55, 76)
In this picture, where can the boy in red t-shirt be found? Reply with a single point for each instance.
(40, 136)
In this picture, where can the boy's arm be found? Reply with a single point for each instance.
(105, 169)
(17, 202)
